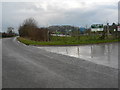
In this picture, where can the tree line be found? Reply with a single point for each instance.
(29, 29)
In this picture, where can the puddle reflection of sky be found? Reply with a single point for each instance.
(105, 54)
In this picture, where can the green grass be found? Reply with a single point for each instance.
(67, 40)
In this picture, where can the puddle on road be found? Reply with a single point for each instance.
(105, 54)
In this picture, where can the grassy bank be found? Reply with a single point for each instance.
(67, 41)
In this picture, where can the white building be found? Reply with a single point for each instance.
(97, 27)
(118, 28)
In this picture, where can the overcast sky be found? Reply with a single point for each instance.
(59, 12)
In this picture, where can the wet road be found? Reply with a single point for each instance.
(0, 63)
(30, 67)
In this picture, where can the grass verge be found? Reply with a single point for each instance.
(65, 41)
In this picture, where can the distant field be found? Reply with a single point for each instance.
(55, 40)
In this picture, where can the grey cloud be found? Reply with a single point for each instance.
(85, 16)
(15, 13)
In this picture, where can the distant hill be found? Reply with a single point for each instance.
(63, 29)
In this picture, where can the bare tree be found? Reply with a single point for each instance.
(28, 25)
(30, 22)
(29, 29)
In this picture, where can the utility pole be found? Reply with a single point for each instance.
(78, 33)
(107, 30)
(48, 33)
(86, 27)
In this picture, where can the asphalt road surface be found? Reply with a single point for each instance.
(29, 67)
(0, 63)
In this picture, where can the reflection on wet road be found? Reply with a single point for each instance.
(105, 54)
